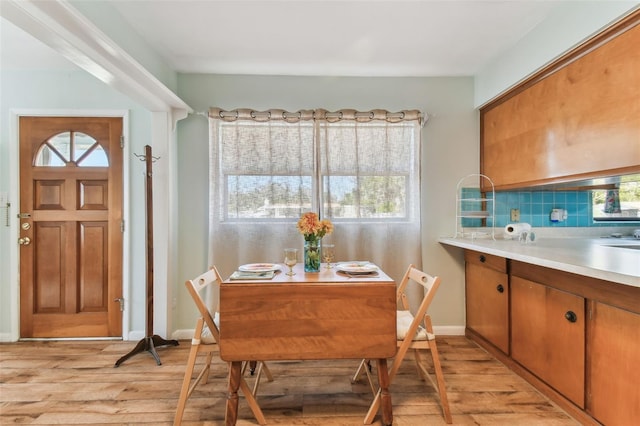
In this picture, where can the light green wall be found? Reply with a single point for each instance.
(104, 16)
(450, 150)
(51, 91)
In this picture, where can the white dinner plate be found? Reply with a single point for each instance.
(259, 267)
(357, 267)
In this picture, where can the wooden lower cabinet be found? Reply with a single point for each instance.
(613, 365)
(548, 335)
(487, 295)
(573, 337)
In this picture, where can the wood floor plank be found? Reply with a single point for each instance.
(75, 383)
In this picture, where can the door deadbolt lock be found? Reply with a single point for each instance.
(24, 241)
(26, 226)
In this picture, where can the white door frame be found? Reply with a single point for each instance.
(14, 188)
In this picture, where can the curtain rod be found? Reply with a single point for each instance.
(334, 115)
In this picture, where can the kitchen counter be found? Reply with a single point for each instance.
(592, 257)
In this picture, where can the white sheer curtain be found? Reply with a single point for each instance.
(381, 152)
(260, 166)
(361, 170)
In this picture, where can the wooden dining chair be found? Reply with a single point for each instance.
(205, 341)
(413, 332)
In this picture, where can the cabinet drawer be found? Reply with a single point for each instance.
(488, 260)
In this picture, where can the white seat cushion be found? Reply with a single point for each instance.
(403, 322)
(207, 337)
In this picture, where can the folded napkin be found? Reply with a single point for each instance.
(242, 275)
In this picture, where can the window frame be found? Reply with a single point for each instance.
(629, 184)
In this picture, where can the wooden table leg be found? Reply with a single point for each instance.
(385, 396)
(235, 375)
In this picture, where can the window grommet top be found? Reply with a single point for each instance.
(318, 114)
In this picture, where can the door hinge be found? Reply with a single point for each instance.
(122, 226)
(122, 141)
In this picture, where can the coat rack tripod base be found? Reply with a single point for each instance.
(148, 344)
(151, 341)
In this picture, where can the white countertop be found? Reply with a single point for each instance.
(584, 256)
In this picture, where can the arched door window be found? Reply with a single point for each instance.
(71, 147)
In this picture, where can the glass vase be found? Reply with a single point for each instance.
(312, 254)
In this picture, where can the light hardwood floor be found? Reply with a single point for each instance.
(73, 383)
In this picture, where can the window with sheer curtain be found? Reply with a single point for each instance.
(361, 170)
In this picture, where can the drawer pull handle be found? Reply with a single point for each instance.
(571, 316)
(482, 258)
(500, 288)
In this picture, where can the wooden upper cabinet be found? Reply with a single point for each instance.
(579, 118)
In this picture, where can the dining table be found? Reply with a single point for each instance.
(325, 315)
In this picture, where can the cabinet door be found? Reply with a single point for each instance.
(548, 336)
(487, 292)
(546, 123)
(613, 365)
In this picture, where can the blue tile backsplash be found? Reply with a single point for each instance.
(535, 208)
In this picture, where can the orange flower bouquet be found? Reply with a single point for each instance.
(313, 229)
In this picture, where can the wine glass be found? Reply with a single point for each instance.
(290, 259)
(328, 254)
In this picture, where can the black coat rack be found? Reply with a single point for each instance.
(150, 341)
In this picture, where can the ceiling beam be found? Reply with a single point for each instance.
(57, 24)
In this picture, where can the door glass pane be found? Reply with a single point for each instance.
(48, 158)
(96, 158)
(56, 152)
(81, 144)
(62, 143)
(86, 145)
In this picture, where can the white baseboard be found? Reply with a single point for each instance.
(177, 335)
(442, 330)
(136, 335)
(449, 330)
(185, 334)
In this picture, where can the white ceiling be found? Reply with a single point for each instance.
(310, 37)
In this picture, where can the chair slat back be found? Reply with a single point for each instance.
(430, 285)
(196, 288)
(401, 296)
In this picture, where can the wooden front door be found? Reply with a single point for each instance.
(70, 227)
